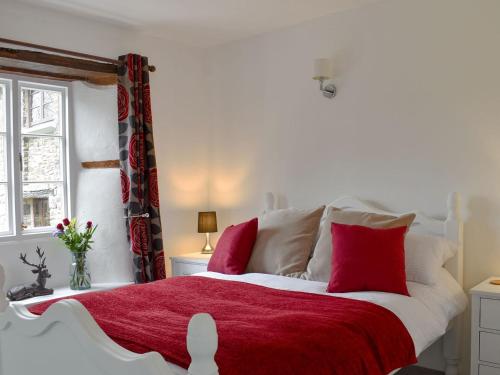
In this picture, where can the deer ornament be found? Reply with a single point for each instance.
(37, 288)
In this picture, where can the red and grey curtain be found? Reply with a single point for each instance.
(138, 169)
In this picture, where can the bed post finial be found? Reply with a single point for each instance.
(452, 343)
(202, 341)
(454, 206)
(4, 303)
(270, 202)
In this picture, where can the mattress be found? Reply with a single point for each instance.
(426, 314)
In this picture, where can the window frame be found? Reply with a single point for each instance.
(7, 83)
(14, 149)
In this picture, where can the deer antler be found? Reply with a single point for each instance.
(41, 255)
(25, 261)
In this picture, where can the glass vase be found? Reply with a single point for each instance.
(79, 272)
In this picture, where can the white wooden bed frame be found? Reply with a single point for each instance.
(67, 340)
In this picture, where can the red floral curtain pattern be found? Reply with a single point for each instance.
(138, 172)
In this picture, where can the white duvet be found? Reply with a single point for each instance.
(426, 314)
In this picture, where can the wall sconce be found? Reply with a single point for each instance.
(323, 72)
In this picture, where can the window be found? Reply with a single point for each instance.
(39, 107)
(33, 156)
(4, 185)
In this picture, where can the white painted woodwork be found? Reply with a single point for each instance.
(488, 370)
(489, 347)
(490, 313)
(189, 264)
(485, 329)
(66, 339)
(202, 342)
(66, 292)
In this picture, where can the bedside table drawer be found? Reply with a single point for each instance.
(489, 347)
(186, 269)
(490, 313)
(487, 370)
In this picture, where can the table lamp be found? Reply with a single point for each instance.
(207, 223)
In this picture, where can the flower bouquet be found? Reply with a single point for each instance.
(78, 242)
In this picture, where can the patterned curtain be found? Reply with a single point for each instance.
(138, 169)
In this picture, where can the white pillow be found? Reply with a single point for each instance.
(425, 255)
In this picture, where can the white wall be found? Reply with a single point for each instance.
(180, 131)
(417, 115)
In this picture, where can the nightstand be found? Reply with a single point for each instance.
(187, 264)
(66, 292)
(485, 329)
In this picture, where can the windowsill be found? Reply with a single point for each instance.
(48, 127)
(25, 238)
(65, 292)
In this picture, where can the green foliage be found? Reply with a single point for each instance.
(75, 240)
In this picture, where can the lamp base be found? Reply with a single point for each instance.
(208, 248)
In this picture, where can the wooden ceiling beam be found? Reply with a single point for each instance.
(40, 74)
(57, 60)
(59, 50)
(66, 52)
(100, 80)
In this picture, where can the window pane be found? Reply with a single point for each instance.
(4, 208)
(3, 158)
(50, 96)
(41, 111)
(36, 98)
(42, 159)
(43, 205)
(3, 108)
(36, 115)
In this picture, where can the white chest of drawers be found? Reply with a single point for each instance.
(485, 329)
(188, 264)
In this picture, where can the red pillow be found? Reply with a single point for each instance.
(368, 259)
(234, 248)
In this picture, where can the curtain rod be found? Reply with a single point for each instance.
(152, 68)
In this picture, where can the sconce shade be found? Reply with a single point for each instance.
(207, 222)
(322, 69)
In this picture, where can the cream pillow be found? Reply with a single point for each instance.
(284, 241)
(425, 255)
(320, 265)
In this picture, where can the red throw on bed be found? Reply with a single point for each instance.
(261, 330)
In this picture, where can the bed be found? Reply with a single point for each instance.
(67, 339)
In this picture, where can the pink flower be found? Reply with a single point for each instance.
(60, 227)
(66, 221)
(89, 224)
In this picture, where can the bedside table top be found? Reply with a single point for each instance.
(192, 257)
(487, 289)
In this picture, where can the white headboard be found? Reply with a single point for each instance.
(451, 227)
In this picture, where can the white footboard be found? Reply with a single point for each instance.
(67, 340)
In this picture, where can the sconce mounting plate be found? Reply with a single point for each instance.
(329, 91)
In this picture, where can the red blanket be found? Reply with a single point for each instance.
(261, 330)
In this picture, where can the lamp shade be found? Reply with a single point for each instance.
(322, 69)
(207, 222)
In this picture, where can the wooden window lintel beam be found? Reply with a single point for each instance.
(101, 164)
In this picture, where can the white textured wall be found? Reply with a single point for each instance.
(417, 115)
(180, 131)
